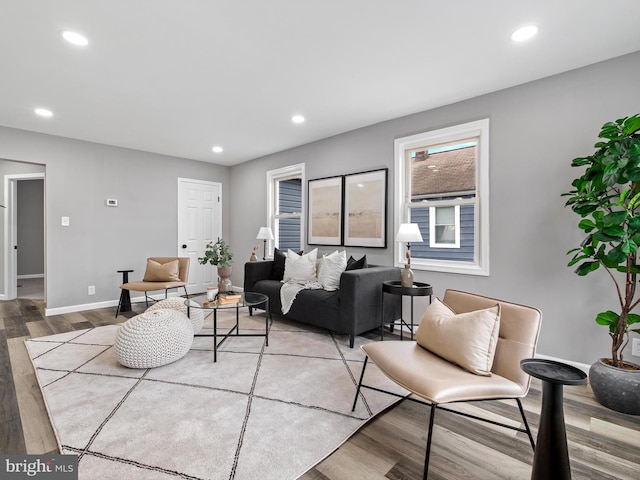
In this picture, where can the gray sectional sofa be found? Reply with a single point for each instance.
(355, 308)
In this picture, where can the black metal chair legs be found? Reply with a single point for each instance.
(433, 407)
(427, 454)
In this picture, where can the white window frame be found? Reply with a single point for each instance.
(273, 177)
(402, 201)
(432, 227)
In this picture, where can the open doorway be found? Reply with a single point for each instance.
(24, 236)
(30, 239)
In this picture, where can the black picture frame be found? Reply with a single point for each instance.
(365, 209)
(325, 210)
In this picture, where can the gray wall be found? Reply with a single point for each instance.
(8, 167)
(30, 234)
(536, 130)
(101, 239)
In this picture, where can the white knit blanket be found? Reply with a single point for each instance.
(290, 290)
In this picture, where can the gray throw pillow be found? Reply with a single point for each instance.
(353, 264)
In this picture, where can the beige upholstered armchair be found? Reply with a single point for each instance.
(468, 348)
(162, 273)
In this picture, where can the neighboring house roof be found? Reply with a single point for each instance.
(444, 172)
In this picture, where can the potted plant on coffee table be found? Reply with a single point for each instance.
(219, 254)
(607, 198)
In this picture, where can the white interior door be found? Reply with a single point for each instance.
(199, 222)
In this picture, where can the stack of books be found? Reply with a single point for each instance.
(225, 298)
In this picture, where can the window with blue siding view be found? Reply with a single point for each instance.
(287, 217)
(443, 201)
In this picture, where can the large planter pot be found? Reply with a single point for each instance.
(224, 283)
(616, 388)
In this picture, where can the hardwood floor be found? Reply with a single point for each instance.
(24, 423)
(602, 444)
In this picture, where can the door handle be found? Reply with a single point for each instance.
(184, 245)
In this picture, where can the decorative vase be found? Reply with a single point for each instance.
(406, 276)
(253, 257)
(212, 293)
(616, 388)
(224, 283)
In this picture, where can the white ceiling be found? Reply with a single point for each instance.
(179, 76)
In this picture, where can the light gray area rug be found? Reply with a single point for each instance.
(260, 412)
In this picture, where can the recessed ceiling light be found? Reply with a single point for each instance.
(524, 33)
(297, 119)
(217, 149)
(43, 112)
(75, 38)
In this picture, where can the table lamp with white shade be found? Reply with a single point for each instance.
(408, 232)
(265, 234)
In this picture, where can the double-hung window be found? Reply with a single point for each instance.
(442, 184)
(444, 227)
(285, 206)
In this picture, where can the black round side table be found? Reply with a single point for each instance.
(125, 297)
(395, 288)
(551, 458)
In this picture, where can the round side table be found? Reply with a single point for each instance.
(125, 297)
(395, 288)
(551, 458)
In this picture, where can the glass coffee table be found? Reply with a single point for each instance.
(247, 299)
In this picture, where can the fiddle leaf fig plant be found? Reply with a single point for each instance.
(607, 198)
(217, 254)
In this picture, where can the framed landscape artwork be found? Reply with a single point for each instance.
(325, 211)
(365, 209)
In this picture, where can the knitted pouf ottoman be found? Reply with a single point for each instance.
(177, 303)
(153, 339)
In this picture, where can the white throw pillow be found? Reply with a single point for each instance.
(331, 268)
(300, 268)
(321, 261)
(466, 339)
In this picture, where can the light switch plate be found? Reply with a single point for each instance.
(65, 221)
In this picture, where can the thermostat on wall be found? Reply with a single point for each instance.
(111, 202)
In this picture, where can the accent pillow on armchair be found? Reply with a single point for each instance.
(162, 272)
(467, 339)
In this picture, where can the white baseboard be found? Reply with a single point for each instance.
(93, 306)
(80, 308)
(31, 275)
